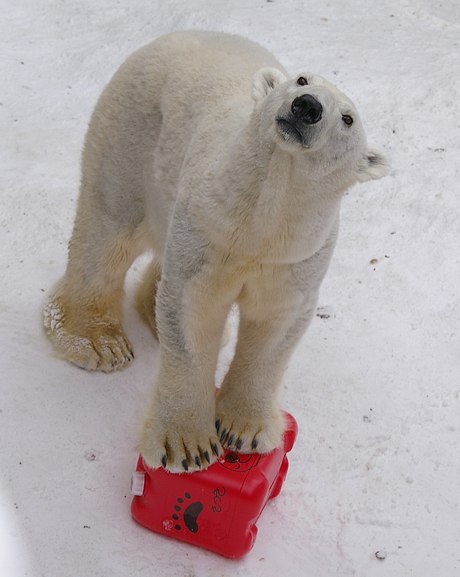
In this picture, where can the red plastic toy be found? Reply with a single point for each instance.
(217, 508)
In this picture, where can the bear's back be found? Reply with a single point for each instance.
(199, 68)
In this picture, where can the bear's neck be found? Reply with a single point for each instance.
(279, 182)
(270, 205)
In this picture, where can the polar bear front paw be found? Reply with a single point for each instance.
(179, 449)
(244, 432)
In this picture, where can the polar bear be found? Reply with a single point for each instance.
(204, 150)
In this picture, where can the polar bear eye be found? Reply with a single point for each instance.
(302, 81)
(347, 119)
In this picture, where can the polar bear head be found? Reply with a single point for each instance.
(309, 116)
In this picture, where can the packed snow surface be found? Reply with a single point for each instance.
(374, 482)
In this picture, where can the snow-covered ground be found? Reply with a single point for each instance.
(375, 383)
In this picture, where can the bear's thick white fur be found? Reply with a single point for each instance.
(197, 150)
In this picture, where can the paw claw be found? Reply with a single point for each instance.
(247, 429)
(178, 450)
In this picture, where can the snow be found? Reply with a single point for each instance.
(374, 482)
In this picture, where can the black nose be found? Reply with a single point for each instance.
(307, 109)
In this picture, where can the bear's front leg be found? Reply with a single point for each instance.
(248, 417)
(179, 432)
(193, 301)
(275, 310)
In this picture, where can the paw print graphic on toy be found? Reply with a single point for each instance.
(189, 516)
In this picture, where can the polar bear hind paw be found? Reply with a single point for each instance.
(101, 346)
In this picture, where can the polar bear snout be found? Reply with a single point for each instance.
(307, 109)
(296, 120)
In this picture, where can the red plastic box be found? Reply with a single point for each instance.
(217, 508)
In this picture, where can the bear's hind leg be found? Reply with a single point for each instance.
(146, 295)
(83, 314)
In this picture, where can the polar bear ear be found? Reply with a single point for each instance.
(374, 164)
(264, 81)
